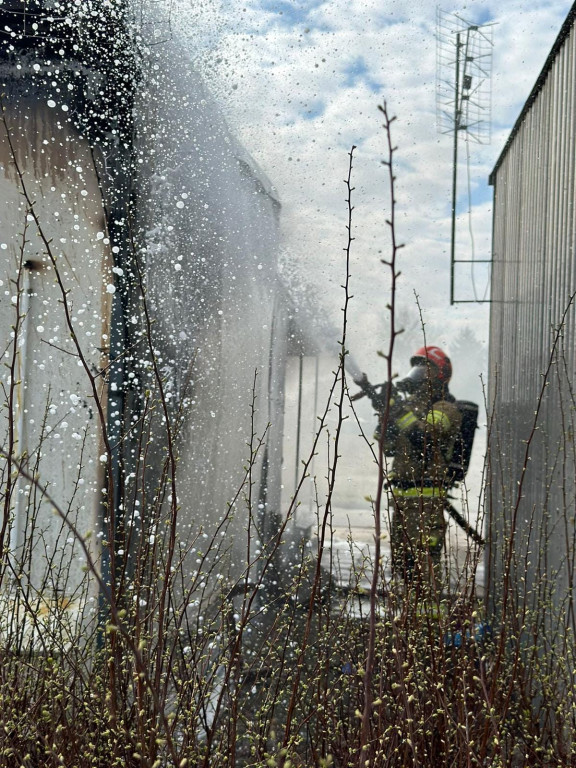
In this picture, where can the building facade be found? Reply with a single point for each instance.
(144, 329)
(532, 458)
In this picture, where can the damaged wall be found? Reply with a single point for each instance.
(145, 197)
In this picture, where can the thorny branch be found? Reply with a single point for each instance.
(382, 470)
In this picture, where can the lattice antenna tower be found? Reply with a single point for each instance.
(463, 94)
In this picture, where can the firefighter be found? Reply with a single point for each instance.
(420, 434)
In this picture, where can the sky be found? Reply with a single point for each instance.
(300, 83)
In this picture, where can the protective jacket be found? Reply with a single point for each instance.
(420, 435)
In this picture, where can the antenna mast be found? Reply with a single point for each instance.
(464, 96)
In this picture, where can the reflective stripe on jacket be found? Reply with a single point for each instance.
(421, 440)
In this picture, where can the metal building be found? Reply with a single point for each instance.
(532, 473)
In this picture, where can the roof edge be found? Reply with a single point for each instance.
(538, 85)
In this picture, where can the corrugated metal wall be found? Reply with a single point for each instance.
(531, 494)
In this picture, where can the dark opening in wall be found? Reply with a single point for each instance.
(74, 53)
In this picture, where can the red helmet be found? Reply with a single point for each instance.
(438, 358)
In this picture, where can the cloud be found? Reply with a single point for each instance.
(300, 83)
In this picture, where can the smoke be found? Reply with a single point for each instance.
(352, 366)
(330, 344)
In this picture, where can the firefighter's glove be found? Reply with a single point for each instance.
(395, 408)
